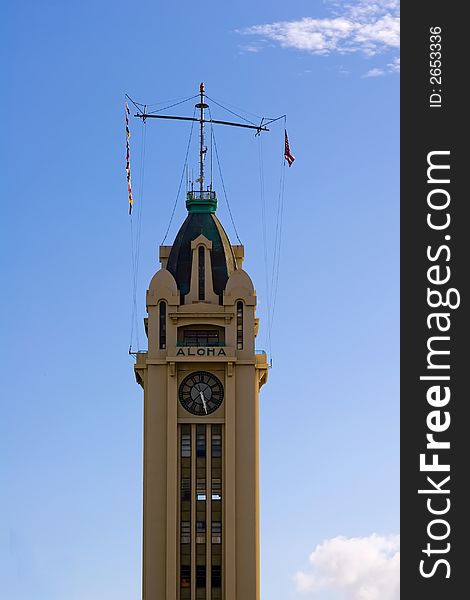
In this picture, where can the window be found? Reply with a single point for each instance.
(201, 489)
(162, 325)
(216, 576)
(201, 443)
(185, 443)
(185, 594)
(216, 488)
(216, 532)
(216, 528)
(185, 576)
(216, 465)
(239, 325)
(216, 512)
(216, 442)
(185, 512)
(200, 532)
(202, 273)
(201, 527)
(201, 576)
(185, 488)
(201, 337)
(185, 532)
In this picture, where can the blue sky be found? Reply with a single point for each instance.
(71, 427)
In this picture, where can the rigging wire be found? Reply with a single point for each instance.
(172, 100)
(269, 121)
(139, 217)
(278, 236)
(265, 243)
(171, 105)
(230, 111)
(181, 178)
(134, 319)
(133, 305)
(137, 104)
(264, 120)
(278, 226)
(135, 241)
(223, 184)
(212, 151)
(222, 103)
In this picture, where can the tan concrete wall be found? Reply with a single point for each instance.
(155, 471)
(247, 509)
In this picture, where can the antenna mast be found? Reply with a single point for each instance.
(202, 150)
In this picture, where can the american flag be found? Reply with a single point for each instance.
(287, 153)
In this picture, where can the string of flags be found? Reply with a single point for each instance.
(287, 153)
(128, 161)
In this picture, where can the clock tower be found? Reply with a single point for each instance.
(201, 378)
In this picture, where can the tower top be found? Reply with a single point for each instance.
(204, 200)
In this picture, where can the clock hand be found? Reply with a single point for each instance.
(203, 400)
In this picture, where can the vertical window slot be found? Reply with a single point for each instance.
(202, 273)
(239, 325)
(185, 512)
(162, 325)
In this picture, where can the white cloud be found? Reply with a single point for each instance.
(364, 9)
(375, 72)
(250, 48)
(366, 568)
(366, 27)
(392, 67)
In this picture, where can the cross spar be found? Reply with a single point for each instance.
(202, 105)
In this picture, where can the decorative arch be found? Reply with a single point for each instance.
(162, 287)
(240, 286)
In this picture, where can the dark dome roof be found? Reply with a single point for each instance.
(222, 257)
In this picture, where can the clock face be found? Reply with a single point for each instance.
(201, 393)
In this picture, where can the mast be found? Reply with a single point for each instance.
(202, 150)
(202, 196)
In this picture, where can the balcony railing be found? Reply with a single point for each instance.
(193, 344)
(198, 195)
